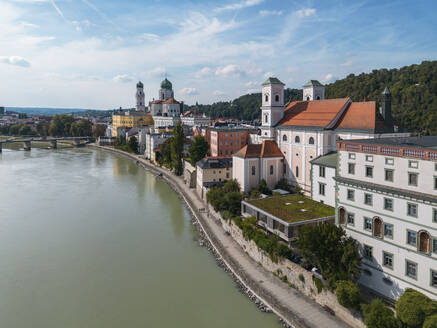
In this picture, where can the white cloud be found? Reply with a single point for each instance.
(271, 12)
(156, 72)
(347, 64)
(253, 91)
(218, 93)
(189, 92)
(239, 5)
(199, 25)
(252, 84)
(306, 12)
(15, 60)
(203, 72)
(229, 71)
(268, 74)
(81, 24)
(29, 25)
(122, 78)
(150, 37)
(328, 78)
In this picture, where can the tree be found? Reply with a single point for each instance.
(198, 149)
(83, 128)
(42, 129)
(99, 130)
(24, 130)
(133, 145)
(232, 202)
(430, 322)
(348, 294)
(283, 184)
(177, 149)
(413, 307)
(61, 125)
(377, 315)
(14, 129)
(327, 246)
(231, 186)
(262, 187)
(165, 153)
(215, 197)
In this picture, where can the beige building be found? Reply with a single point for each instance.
(212, 172)
(130, 119)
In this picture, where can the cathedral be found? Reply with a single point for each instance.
(166, 110)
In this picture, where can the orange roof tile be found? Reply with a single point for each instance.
(171, 101)
(268, 148)
(313, 113)
(359, 115)
(157, 101)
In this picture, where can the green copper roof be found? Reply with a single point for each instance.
(166, 84)
(313, 83)
(272, 80)
(329, 160)
(140, 84)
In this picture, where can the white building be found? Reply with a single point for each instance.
(152, 141)
(387, 201)
(323, 170)
(166, 110)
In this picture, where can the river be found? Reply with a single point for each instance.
(89, 239)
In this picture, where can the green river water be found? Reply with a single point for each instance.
(89, 239)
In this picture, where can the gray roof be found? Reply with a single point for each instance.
(313, 83)
(215, 163)
(272, 80)
(329, 160)
(412, 142)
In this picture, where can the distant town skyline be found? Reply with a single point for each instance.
(91, 53)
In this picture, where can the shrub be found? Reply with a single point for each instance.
(430, 322)
(254, 194)
(301, 277)
(262, 187)
(283, 184)
(319, 284)
(348, 294)
(377, 315)
(413, 307)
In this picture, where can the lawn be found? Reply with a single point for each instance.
(293, 208)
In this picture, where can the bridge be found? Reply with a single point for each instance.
(27, 143)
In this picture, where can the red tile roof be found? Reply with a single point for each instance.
(359, 115)
(171, 101)
(268, 148)
(157, 101)
(317, 113)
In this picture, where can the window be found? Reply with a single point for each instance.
(369, 171)
(350, 194)
(369, 158)
(276, 98)
(267, 98)
(297, 171)
(388, 175)
(388, 230)
(413, 164)
(321, 189)
(434, 215)
(434, 245)
(350, 218)
(351, 168)
(367, 224)
(266, 118)
(271, 169)
(368, 199)
(389, 161)
(351, 155)
(321, 171)
(412, 179)
(284, 168)
(377, 227)
(412, 210)
(253, 170)
(227, 175)
(297, 139)
(387, 260)
(412, 238)
(388, 204)
(433, 278)
(435, 183)
(311, 142)
(284, 137)
(367, 252)
(411, 269)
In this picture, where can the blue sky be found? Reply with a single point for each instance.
(90, 53)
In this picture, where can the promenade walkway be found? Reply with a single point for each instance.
(295, 308)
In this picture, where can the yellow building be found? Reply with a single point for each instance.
(212, 172)
(130, 119)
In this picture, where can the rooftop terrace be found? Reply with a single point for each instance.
(293, 208)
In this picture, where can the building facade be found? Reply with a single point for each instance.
(226, 141)
(129, 119)
(323, 171)
(211, 172)
(387, 201)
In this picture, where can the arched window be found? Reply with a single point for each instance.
(267, 98)
(311, 142)
(266, 118)
(253, 170)
(297, 139)
(377, 227)
(424, 242)
(308, 98)
(318, 98)
(276, 97)
(271, 169)
(284, 137)
(297, 171)
(341, 215)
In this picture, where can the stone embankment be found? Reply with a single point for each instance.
(253, 277)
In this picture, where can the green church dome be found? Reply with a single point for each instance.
(166, 84)
(140, 84)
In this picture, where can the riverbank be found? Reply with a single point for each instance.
(259, 284)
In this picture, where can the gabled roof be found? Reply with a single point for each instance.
(157, 101)
(319, 113)
(313, 83)
(329, 160)
(171, 101)
(268, 148)
(272, 80)
(215, 163)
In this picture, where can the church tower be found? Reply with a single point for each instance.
(141, 107)
(166, 91)
(313, 90)
(272, 108)
(386, 107)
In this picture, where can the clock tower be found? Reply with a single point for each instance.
(272, 108)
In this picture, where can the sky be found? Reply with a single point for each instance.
(91, 53)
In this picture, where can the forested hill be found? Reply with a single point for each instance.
(413, 88)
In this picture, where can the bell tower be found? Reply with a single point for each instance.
(140, 98)
(313, 90)
(272, 106)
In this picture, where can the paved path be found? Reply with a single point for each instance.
(291, 305)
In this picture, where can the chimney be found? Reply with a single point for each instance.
(386, 107)
(365, 99)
